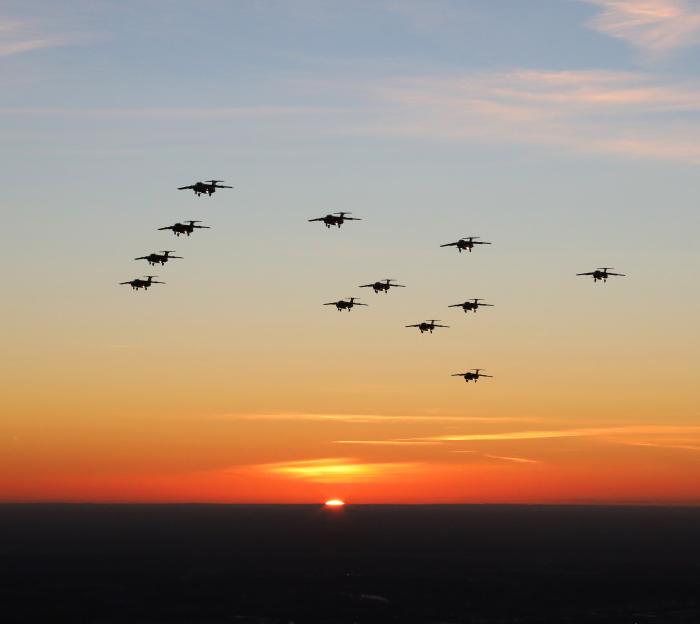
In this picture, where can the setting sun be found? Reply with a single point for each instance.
(334, 503)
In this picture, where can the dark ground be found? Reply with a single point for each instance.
(365, 563)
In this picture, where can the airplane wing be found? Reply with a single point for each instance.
(201, 227)
(412, 325)
(352, 219)
(332, 303)
(319, 219)
(480, 375)
(365, 304)
(442, 326)
(456, 305)
(170, 227)
(591, 273)
(122, 283)
(480, 243)
(448, 245)
(182, 188)
(396, 286)
(490, 305)
(459, 375)
(367, 286)
(620, 274)
(142, 258)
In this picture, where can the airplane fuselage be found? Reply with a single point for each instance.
(207, 189)
(330, 220)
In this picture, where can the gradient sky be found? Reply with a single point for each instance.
(565, 132)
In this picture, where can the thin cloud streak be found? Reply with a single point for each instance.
(336, 470)
(656, 26)
(514, 459)
(669, 446)
(634, 114)
(534, 435)
(17, 37)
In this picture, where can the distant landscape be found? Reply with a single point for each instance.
(364, 563)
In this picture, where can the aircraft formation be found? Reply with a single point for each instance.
(186, 227)
(466, 243)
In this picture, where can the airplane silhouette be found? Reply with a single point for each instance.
(466, 243)
(601, 274)
(475, 376)
(160, 258)
(427, 326)
(385, 286)
(185, 228)
(139, 283)
(338, 220)
(345, 305)
(470, 305)
(208, 188)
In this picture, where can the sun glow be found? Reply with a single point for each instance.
(334, 503)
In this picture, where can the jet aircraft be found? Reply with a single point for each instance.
(466, 243)
(345, 305)
(185, 228)
(475, 375)
(601, 274)
(470, 305)
(208, 188)
(160, 258)
(337, 218)
(139, 283)
(428, 326)
(385, 285)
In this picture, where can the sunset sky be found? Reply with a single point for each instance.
(564, 132)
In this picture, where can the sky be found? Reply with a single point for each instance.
(564, 132)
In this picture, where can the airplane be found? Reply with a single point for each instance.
(428, 326)
(208, 188)
(185, 228)
(475, 376)
(601, 274)
(155, 258)
(332, 219)
(345, 305)
(385, 286)
(470, 305)
(139, 283)
(466, 243)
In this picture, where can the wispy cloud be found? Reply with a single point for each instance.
(631, 113)
(514, 459)
(670, 446)
(22, 36)
(635, 114)
(337, 470)
(653, 25)
(534, 435)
